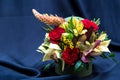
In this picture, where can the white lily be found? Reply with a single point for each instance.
(103, 46)
(51, 50)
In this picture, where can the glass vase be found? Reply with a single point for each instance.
(84, 71)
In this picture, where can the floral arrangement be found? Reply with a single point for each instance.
(72, 41)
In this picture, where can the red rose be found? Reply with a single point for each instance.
(89, 24)
(55, 35)
(70, 56)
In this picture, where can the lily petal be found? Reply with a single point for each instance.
(103, 49)
(54, 46)
(102, 36)
(58, 54)
(84, 59)
(47, 55)
(105, 43)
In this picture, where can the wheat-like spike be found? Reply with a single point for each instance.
(48, 19)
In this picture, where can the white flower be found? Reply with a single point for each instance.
(103, 46)
(50, 50)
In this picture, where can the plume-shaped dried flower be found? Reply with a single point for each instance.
(48, 19)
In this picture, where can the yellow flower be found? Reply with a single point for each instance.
(75, 32)
(68, 42)
(67, 39)
(78, 44)
(78, 26)
(64, 25)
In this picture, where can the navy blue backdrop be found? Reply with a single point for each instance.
(20, 36)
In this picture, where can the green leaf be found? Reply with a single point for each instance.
(47, 41)
(66, 30)
(97, 21)
(47, 67)
(91, 57)
(103, 55)
(111, 55)
(70, 36)
(70, 25)
(78, 66)
(63, 65)
(46, 47)
(49, 28)
(61, 45)
(46, 29)
(106, 38)
(70, 29)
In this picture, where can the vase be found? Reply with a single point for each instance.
(68, 69)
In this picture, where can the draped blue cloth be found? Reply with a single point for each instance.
(20, 36)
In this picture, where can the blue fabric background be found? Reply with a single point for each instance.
(20, 36)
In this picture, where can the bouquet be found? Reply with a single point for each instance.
(73, 43)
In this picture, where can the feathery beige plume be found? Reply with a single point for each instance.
(48, 19)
